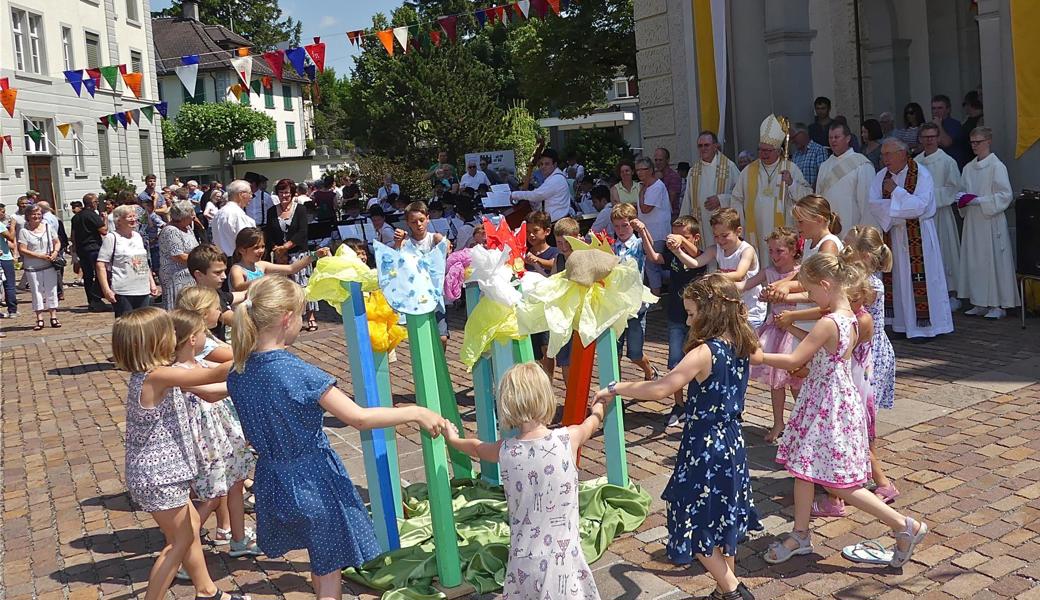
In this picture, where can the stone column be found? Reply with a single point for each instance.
(788, 39)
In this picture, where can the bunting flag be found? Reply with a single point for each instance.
(136, 112)
(523, 8)
(401, 35)
(7, 98)
(188, 73)
(112, 121)
(95, 74)
(317, 53)
(133, 81)
(243, 66)
(122, 118)
(75, 79)
(387, 37)
(122, 69)
(276, 60)
(236, 90)
(448, 24)
(243, 51)
(148, 112)
(35, 134)
(111, 74)
(435, 38)
(555, 4)
(7, 140)
(311, 71)
(103, 121)
(539, 7)
(297, 58)
(63, 128)
(266, 82)
(90, 85)
(162, 108)
(481, 16)
(354, 37)
(129, 117)
(4, 83)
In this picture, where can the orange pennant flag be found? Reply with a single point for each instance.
(7, 98)
(133, 81)
(129, 117)
(64, 129)
(237, 91)
(243, 51)
(387, 37)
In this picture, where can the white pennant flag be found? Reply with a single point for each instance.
(244, 67)
(525, 6)
(188, 74)
(401, 34)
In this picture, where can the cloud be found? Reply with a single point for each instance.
(327, 21)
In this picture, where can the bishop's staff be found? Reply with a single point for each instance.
(785, 125)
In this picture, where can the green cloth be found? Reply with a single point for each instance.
(481, 520)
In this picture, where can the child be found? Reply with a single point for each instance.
(160, 465)
(417, 219)
(829, 444)
(601, 202)
(304, 497)
(206, 303)
(712, 458)
(629, 247)
(208, 265)
(384, 232)
(359, 247)
(540, 477)
(866, 248)
(224, 459)
(783, 255)
(540, 257)
(685, 238)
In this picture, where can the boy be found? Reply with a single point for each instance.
(584, 195)
(563, 228)
(540, 257)
(208, 265)
(384, 232)
(686, 238)
(601, 202)
(417, 218)
(629, 247)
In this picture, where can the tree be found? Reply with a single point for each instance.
(172, 147)
(521, 132)
(600, 149)
(330, 115)
(219, 126)
(259, 21)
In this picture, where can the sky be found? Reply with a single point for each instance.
(331, 20)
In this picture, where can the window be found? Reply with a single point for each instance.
(621, 88)
(250, 152)
(287, 97)
(146, 152)
(35, 145)
(131, 10)
(27, 32)
(136, 63)
(66, 48)
(79, 153)
(272, 143)
(269, 97)
(200, 94)
(93, 42)
(290, 134)
(244, 99)
(106, 160)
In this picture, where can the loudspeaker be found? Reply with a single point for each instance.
(1027, 228)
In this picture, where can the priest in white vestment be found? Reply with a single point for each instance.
(757, 195)
(987, 269)
(845, 179)
(903, 202)
(946, 176)
(708, 185)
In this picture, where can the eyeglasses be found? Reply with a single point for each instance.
(977, 142)
(705, 145)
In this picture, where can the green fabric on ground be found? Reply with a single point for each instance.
(481, 520)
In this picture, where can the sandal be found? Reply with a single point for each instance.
(825, 506)
(888, 493)
(654, 374)
(39, 325)
(220, 595)
(741, 593)
(901, 557)
(778, 552)
(869, 552)
(312, 325)
(55, 323)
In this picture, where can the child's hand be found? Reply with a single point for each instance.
(801, 372)
(673, 241)
(430, 421)
(603, 396)
(451, 434)
(399, 235)
(757, 357)
(638, 225)
(323, 252)
(530, 258)
(784, 320)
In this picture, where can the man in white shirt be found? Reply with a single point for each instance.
(232, 217)
(388, 187)
(473, 178)
(946, 176)
(844, 179)
(261, 200)
(554, 194)
(655, 211)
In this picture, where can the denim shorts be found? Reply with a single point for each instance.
(442, 323)
(635, 334)
(677, 333)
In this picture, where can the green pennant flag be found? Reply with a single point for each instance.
(112, 120)
(148, 111)
(36, 135)
(255, 86)
(111, 75)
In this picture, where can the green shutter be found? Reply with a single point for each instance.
(290, 134)
(287, 97)
(198, 98)
(272, 143)
(250, 153)
(269, 98)
(244, 99)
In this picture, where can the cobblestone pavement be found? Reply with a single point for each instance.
(962, 444)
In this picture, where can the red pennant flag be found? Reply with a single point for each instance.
(387, 37)
(95, 74)
(351, 37)
(503, 13)
(317, 53)
(519, 11)
(492, 14)
(276, 60)
(133, 81)
(266, 81)
(538, 7)
(448, 25)
(435, 37)
(7, 140)
(4, 83)
(555, 4)
(122, 69)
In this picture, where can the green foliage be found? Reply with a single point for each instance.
(259, 21)
(520, 134)
(330, 114)
(114, 184)
(412, 179)
(600, 149)
(172, 147)
(220, 126)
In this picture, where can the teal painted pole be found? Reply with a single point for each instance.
(386, 400)
(484, 397)
(614, 422)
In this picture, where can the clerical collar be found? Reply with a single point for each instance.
(901, 171)
(712, 161)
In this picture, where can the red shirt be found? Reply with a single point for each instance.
(673, 183)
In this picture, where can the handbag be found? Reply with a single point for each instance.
(60, 262)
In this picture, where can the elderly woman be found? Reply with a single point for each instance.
(122, 265)
(176, 240)
(286, 233)
(40, 247)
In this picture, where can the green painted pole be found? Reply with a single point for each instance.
(461, 463)
(423, 339)
(484, 397)
(614, 423)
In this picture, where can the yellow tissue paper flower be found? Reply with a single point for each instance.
(383, 328)
(331, 272)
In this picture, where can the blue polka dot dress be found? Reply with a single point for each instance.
(304, 497)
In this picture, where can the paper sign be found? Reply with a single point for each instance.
(438, 226)
(359, 231)
(497, 200)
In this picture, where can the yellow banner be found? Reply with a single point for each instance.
(64, 129)
(707, 86)
(1025, 44)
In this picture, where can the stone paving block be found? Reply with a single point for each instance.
(998, 381)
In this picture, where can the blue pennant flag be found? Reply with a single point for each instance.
(162, 107)
(91, 85)
(297, 57)
(75, 78)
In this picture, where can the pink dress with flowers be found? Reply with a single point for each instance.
(826, 436)
(775, 340)
(863, 376)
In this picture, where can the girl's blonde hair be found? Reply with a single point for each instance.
(721, 313)
(267, 301)
(143, 340)
(816, 206)
(186, 323)
(198, 299)
(827, 267)
(526, 394)
(864, 240)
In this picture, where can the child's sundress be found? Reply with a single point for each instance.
(826, 437)
(540, 481)
(709, 493)
(728, 264)
(884, 378)
(776, 341)
(863, 375)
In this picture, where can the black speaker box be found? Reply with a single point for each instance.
(1027, 227)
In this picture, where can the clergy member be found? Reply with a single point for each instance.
(902, 200)
(845, 179)
(709, 183)
(757, 192)
(986, 276)
(946, 177)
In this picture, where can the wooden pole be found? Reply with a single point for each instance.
(484, 397)
(614, 421)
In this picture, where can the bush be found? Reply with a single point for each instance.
(413, 180)
(600, 149)
(114, 184)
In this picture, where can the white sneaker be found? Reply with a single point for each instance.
(955, 304)
(677, 416)
(996, 313)
(978, 311)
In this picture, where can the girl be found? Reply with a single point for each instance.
(539, 471)
(829, 445)
(160, 457)
(205, 302)
(359, 247)
(710, 509)
(866, 247)
(304, 497)
(783, 255)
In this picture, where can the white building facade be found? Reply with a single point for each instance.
(39, 40)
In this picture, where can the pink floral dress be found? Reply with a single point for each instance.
(826, 437)
(775, 340)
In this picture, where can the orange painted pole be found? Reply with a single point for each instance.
(579, 382)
